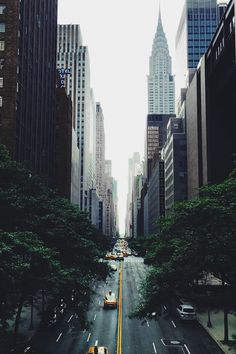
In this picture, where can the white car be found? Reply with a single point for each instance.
(113, 266)
(186, 312)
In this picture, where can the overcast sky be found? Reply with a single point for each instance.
(119, 35)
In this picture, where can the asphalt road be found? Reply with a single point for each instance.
(166, 335)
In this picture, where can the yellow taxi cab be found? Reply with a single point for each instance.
(98, 350)
(110, 300)
(110, 256)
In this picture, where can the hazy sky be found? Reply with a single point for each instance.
(119, 35)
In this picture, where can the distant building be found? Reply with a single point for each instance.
(94, 208)
(174, 154)
(161, 85)
(210, 107)
(156, 134)
(100, 151)
(28, 83)
(197, 26)
(133, 170)
(110, 226)
(156, 195)
(142, 217)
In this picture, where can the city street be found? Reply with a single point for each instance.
(166, 335)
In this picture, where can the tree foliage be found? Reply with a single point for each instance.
(197, 238)
(45, 241)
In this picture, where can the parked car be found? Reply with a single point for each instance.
(186, 312)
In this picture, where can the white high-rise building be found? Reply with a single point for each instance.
(69, 40)
(134, 167)
(161, 85)
(73, 64)
(100, 151)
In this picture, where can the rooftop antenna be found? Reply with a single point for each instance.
(159, 16)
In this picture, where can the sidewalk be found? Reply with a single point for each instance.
(26, 329)
(217, 330)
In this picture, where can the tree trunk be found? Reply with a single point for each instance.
(226, 325)
(43, 305)
(31, 327)
(17, 320)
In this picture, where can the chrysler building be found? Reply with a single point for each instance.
(161, 85)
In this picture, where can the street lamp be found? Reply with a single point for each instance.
(209, 324)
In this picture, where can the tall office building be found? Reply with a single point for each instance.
(161, 86)
(109, 207)
(197, 26)
(174, 153)
(28, 82)
(156, 133)
(210, 110)
(73, 63)
(100, 151)
(133, 167)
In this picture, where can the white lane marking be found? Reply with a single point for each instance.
(165, 307)
(162, 342)
(185, 346)
(154, 347)
(70, 318)
(99, 302)
(95, 317)
(84, 330)
(173, 324)
(58, 338)
(96, 343)
(147, 323)
(88, 337)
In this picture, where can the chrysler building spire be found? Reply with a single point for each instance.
(161, 87)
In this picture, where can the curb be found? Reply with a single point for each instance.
(214, 338)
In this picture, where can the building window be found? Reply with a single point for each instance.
(1, 82)
(2, 27)
(2, 9)
(1, 64)
(2, 46)
(0, 101)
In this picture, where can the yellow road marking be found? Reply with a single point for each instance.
(119, 330)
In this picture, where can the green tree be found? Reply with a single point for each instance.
(40, 229)
(198, 237)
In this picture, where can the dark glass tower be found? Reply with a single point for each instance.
(28, 73)
(197, 26)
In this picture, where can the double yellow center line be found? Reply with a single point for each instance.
(119, 329)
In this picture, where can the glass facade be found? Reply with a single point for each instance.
(197, 26)
(202, 21)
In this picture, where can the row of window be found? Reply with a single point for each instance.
(2, 47)
(2, 27)
(2, 9)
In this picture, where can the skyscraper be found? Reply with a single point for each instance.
(161, 86)
(210, 107)
(197, 26)
(156, 133)
(100, 151)
(133, 167)
(73, 62)
(28, 82)
(175, 156)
